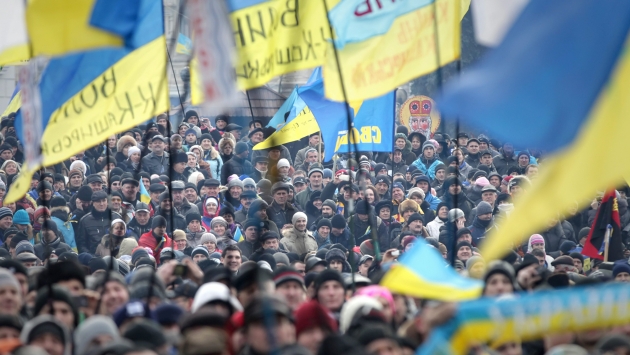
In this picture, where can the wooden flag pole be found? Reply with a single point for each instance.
(607, 240)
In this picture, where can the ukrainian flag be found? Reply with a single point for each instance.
(15, 103)
(144, 195)
(423, 273)
(88, 96)
(560, 82)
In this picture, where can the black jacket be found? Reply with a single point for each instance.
(92, 227)
(281, 216)
(236, 165)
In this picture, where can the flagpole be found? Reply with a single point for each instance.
(606, 241)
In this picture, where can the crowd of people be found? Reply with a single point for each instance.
(186, 240)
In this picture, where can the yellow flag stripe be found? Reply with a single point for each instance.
(591, 164)
(303, 125)
(14, 104)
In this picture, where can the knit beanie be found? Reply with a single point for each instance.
(324, 223)
(311, 314)
(283, 163)
(200, 250)
(327, 275)
(240, 148)
(193, 216)
(483, 208)
(4, 212)
(93, 327)
(297, 216)
(338, 221)
(219, 221)
(367, 248)
(85, 193)
(158, 221)
(207, 237)
(335, 254)
(21, 217)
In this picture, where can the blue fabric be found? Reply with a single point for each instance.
(538, 86)
(67, 231)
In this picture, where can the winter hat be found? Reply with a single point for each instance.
(218, 220)
(536, 238)
(327, 275)
(454, 214)
(4, 212)
(335, 253)
(408, 239)
(427, 144)
(138, 253)
(240, 148)
(207, 237)
(567, 246)
(93, 327)
(324, 223)
(461, 245)
(620, 266)
(281, 258)
(214, 291)
(499, 267)
(7, 278)
(286, 274)
(193, 216)
(297, 216)
(21, 217)
(235, 182)
(179, 234)
(85, 193)
(577, 255)
(200, 250)
(283, 163)
(312, 314)
(483, 207)
(146, 332)
(24, 247)
(583, 233)
(367, 248)
(415, 217)
(416, 190)
(482, 181)
(472, 261)
(158, 221)
(338, 221)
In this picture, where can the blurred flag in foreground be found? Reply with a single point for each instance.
(418, 274)
(15, 103)
(543, 88)
(382, 45)
(88, 96)
(607, 216)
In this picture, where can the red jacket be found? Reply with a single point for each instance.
(148, 240)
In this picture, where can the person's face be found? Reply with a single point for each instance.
(465, 238)
(192, 160)
(510, 349)
(191, 138)
(577, 263)
(515, 191)
(280, 197)
(385, 213)
(76, 180)
(293, 292)
(193, 120)
(191, 194)
(283, 170)
(114, 296)
(8, 333)
(159, 231)
(232, 260)
(337, 231)
(331, 295)
(96, 186)
(318, 204)
(400, 143)
(473, 147)
(415, 227)
(300, 224)
(362, 217)
(219, 229)
(45, 195)
(311, 157)
(116, 202)
(336, 264)
(541, 260)
(462, 141)
(142, 217)
(495, 181)
(313, 140)
(100, 205)
(236, 191)
(257, 138)
(486, 159)
(508, 149)
(157, 147)
(271, 244)
(398, 194)
(194, 226)
(274, 154)
(397, 157)
(312, 338)
(6, 222)
(111, 141)
(212, 191)
(476, 271)
(6, 154)
(323, 231)
(300, 267)
(51, 344)
(10, 168)
(62, 312)
(622, 277)
(489, 197)
(251, 234)
(199, 257)
(363, 268)
(382, 188)
(428, 152)
(257, 335)
(532, 171)
(327, 211)
(464, 253)
(165, 205)
(182, 130)
(540, 246)
(162, 122)
(261, 166)
(181, 244)
(485, 217)
(523, 160)
(454, 189)
(23, 280)
(211, 207)
(415, 143)
(178, 196)
(10, 300)
(262, 214)
(497, 285)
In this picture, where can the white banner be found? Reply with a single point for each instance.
(32, 111)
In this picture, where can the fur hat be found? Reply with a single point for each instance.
(408, 205)
(125, 140)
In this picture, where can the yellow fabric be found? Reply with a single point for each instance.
(589, 165)
(15, 55)
(61, 26)
(275, 38)
(404, 281)
(376, 66)
(139, 93)
(303, 125)
(14, 105)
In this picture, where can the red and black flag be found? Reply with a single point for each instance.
(607, 215)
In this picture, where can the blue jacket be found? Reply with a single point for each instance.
(432, 200)
(66, 230)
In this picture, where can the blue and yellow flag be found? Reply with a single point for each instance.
(418, 274)
(386, 44)
(529, 317)
(15, 103)
(184, 45)
(91, 95)
(543, 89)
(275, 37)
(144, 194)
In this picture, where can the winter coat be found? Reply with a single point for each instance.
(147, 240)
(247, 248)
(344, 239)
(186, 208)
(194, 237)
(554, 237)
(298, 242)
(321, 242)
(92, 227)
(173, 221)
(303, 197)
(236, 166)
(216, 163)
(301, 155)
(61, 217)
(42, 247)
(503, 163)
(362, 231)
(136, 229)
(281, 216)
(478, 230)
(153, 164)
(473, 159)
(434, 226)
(463, 203)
